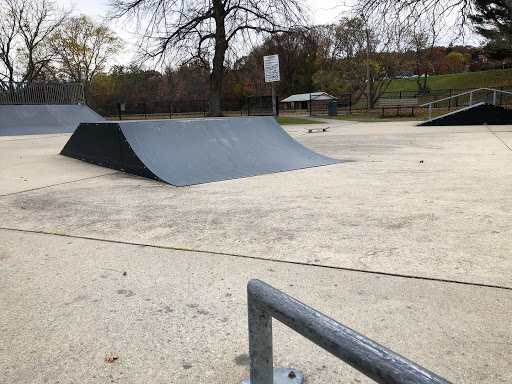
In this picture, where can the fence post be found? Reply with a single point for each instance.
(170, 109)
(45, 90)
(450, 100)
(66, 94)
(248, 106)
(23, 93)
(144, 107)
(241, 108)
(119, 110)
(350, 104)
(83, 93)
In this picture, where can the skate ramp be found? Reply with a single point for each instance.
(192, 151)
(43, 119)
(477, 114)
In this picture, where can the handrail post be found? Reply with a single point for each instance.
(494, 98)
(471, 98)
(430, 111)
(260, 345)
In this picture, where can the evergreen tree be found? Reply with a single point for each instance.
(493, 21)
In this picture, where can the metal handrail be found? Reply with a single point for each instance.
(373, 360)
(462, 94)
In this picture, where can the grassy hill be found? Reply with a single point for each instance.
(490, 79)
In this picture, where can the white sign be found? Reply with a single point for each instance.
(271, 64)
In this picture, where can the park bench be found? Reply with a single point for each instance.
(398, 103)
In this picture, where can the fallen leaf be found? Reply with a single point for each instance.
(110, 358)
(271, 270)
(125, 273)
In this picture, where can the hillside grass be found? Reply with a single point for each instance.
(484, 79)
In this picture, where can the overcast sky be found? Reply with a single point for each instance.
(323, 12)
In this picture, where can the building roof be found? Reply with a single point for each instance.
(307, 97)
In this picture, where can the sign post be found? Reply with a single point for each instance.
(271, 65)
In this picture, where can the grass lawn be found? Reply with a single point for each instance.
(284, 120)
(484, 79)
(373, 117)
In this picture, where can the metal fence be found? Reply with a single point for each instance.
(357, 101)
(41, 93)
(250, 106)
(350, 102)
(481, 95)
(262, 105)
(372, 359)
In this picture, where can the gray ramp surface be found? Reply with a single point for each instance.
(43, 119)
(193, 151)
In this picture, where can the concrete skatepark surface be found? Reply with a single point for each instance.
(407, 243)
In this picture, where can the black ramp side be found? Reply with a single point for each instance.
(43, 119)
(105, 144)
(194, 151)
(477, 114)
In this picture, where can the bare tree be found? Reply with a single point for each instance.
(424, 39)
(187, 30)
(37, 20)
(365, 54)
(82, 49)
(408, 13)
(8, 33)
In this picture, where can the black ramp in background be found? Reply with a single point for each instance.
(194, 151)
(43, 119)
(477, 114)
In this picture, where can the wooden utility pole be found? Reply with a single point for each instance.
(368, 82)
(274, 101)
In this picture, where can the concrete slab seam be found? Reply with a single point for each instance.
(54, 185)
(495, 135)
(482, 285)
(37, 137)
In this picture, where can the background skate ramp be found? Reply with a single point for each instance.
(476, 114)
(43, 119)
(193, 151)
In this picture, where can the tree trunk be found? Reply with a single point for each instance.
(221, 45)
